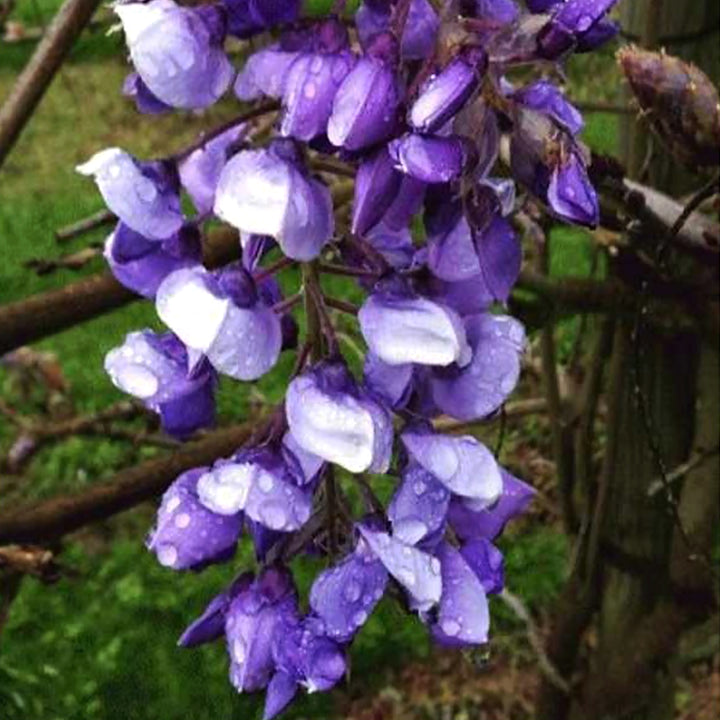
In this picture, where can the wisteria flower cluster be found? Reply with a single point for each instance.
(420, 104)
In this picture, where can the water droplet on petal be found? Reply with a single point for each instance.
(167, 555)
(239, 651)
(450, 627)
(352, 591)
(182, 521)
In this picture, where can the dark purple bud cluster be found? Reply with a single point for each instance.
(679, 101)
(420, 108)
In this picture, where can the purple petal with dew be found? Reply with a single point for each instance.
(461, 463)
(393, 383)
(365, 105)
(337, 426)
(376, 185)
(401, 330)
(489, 522)
(451, 251)
(141, 264)
(177, 52)
(265, 493)
(264, 74)
(253, 618)
(210, 625)
(262, 193)
(571, 194)
(546, 97)
(430, 159)
(417, 571)
(445, 94)
(396, 246)
(309, 463)
(344, 596)
(187, 535)
(138, 193)
(419, 506)
(486, 562)
(405, 204)
(281, 691)
(310, 87)
(499, 252)
(145, 101)
(463, 616)
(200, 170)
(481, 387)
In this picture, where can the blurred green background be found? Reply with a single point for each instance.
(101, 644)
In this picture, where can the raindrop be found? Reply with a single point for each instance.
(352, 591)
(182, 521)
(167, 555)
(273, 515)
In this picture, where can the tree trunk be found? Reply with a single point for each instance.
(638, 623)
(644, 576)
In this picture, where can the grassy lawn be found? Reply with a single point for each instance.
(101, 644)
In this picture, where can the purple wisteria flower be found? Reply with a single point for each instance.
(344, 596)
(461, 464)
(330, 416)
(365, 106)
(401, 327)
(447, 92)
(569, 23)
(481, 387)
(177, 51)
(141, 264)
(158, 370)
(144, 195)
(249, 17)
(269, 192)
(420, 32)
(200, 170)
(223, 317)
(188, 536)
(261, 484)
(402, 111)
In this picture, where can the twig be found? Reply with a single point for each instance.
(60, 515)
(73, 261)
(265, 272)
(682, 470)
(254, 112)
(37, 75)
(601, 107)
(288, 303)
(346, 270)
(334, 167)
(29, 560)
(516, 409)
(86, 225)
(549, 671)
(342, 305)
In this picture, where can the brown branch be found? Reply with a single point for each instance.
(517, 409)
(58, 516)
(549, 671)
(29, 560)
(44, 314)
(72, 261)
(35, 79)
(659, 213)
